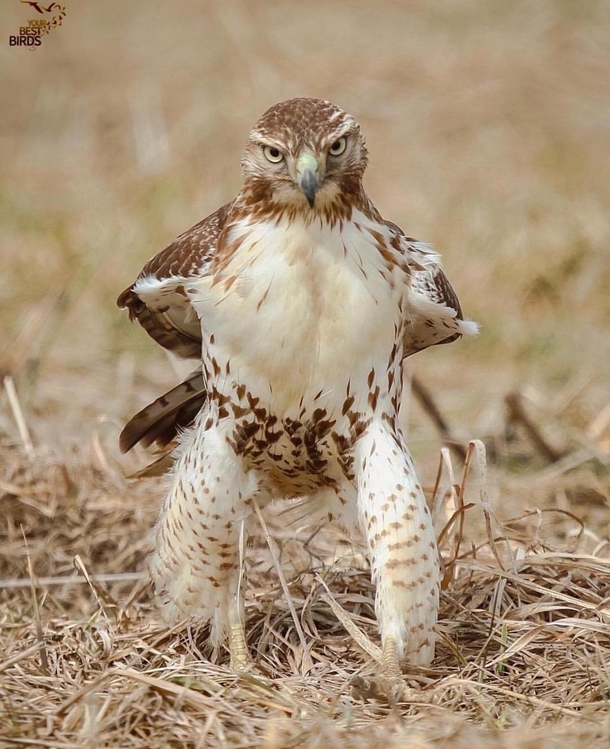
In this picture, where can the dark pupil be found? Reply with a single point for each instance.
(274, 152)
(336, 145)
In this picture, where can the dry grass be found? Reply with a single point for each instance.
(525, 631)
(488, 125)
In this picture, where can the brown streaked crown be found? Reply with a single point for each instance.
(302, 122)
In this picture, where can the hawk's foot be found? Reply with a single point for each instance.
(388, 686)
(388, 689)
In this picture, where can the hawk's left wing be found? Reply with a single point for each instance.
(434, 314)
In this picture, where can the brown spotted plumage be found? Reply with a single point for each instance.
(301, 303)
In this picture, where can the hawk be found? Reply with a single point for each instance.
(300, 302)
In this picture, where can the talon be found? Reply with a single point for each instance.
(390, 686)
(390, 690)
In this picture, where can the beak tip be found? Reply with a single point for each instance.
(309, 184)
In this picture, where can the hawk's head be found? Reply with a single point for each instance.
(305, 155)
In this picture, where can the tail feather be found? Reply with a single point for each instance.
(158, 467)
(161, 421)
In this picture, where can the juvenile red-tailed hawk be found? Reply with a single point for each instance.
(301, 303)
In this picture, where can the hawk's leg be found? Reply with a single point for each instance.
(196, 562)
(240, 657)
(402, 548)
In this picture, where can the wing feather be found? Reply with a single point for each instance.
(157, 299)
(434, 311)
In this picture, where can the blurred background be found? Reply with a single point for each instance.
(488, 127)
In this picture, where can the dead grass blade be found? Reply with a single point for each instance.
(9, 662)
(306, 656)
(44, 661)
(22, 427)
(356, 633)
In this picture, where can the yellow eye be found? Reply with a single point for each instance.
(273, 154)
(338, 147)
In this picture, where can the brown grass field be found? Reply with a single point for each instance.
(488, 126)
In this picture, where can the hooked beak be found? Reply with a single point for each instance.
(308, 178)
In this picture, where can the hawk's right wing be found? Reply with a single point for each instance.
(157, 299)
(158, 302)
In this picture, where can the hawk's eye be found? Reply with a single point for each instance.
(338, 147)
(273, 154)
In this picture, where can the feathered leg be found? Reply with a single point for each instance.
(402, 547)
(196, 562)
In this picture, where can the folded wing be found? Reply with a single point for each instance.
(433, 312)
(157, 300)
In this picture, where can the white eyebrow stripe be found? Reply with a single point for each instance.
(335, 115)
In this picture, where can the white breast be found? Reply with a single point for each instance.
(310, 308)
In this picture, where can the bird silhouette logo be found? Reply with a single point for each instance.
(30, 35)
(40, 8)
